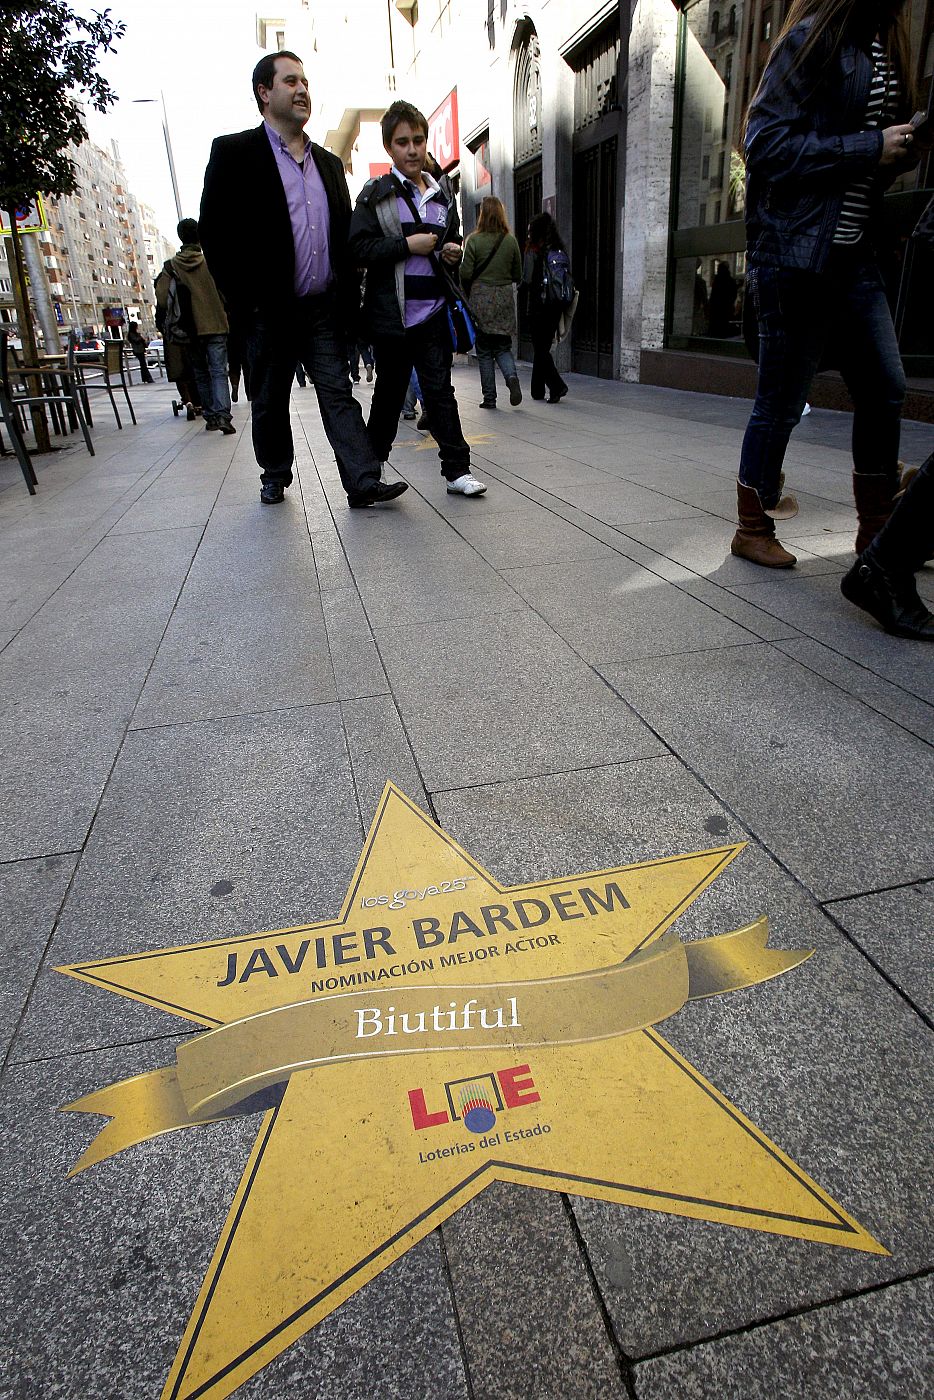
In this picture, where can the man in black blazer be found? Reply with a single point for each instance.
(275, 214)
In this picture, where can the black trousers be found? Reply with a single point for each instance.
(306, 332)
(543, 328)
(145, 376)
(427, 349)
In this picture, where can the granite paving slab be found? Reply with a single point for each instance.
(53, 768)
(507, 541)
(511, 1254)
(883, 696)
(380, 752)
(206, 829)
(895, 928)
(703, 545)
(624, 501)
(839, 823)
(747, 615)
(608, 609)
(358, 669)
(240, 656)
(781, 1052)
(817, 608)
(103, 1270)
(434, 590)
(878, 1344)
(504, 696)
(31, 893)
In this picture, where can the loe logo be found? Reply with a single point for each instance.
(475, 1101)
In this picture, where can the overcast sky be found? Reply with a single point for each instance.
(200, 54)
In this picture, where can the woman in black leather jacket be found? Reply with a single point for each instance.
(826, 133)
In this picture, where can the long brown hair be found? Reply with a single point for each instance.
(492, 217)
(830, 21)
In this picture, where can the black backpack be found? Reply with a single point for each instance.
(557, 284)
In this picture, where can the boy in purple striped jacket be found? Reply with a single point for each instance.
(403, 224)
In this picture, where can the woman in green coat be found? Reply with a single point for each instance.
(492, 264)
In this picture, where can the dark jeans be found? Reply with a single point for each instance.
(305, 332)
(542, 330)
(427, 349)
(494, 350)
(358, 349)
(798, 313)
(208, 355)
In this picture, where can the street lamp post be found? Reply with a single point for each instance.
(139, 101)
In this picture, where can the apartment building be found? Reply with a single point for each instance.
(99, 252)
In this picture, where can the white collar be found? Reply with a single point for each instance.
(433, 186)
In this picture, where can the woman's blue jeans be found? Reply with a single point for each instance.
(800, 314)
(493, 350)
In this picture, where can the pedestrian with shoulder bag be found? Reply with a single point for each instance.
(492, 266)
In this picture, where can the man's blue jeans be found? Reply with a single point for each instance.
(208, 355)
(799, 314)
(493, 350)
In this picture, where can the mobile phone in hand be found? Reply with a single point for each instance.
(922, 126)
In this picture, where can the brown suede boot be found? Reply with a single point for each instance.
(755, 538)
(874, 494)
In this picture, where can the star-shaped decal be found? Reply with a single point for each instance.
(443, 1033)
(472, 440)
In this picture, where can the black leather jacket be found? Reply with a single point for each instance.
(804, 145)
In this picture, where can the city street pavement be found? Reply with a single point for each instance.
(202, 701)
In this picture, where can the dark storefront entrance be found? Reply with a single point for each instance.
(597, 142)
(595, 259)
(528, 194)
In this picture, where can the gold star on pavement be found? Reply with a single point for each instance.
(473, 440)
(443, 1033)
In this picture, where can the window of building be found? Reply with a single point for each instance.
(715, 25)
(596, 76)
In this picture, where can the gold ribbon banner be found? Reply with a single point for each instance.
(223, 1069)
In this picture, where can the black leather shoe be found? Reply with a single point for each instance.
(271, 493)
(422, 424)
(380, 491)
(227, 428)
(556, 398)
(891, 599)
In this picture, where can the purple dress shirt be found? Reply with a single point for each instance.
(308, 213)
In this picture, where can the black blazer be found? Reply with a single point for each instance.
(247, 236)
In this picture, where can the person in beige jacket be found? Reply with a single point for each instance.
(194, 326)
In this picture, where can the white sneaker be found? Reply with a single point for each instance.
(805, 410)
(466, 485)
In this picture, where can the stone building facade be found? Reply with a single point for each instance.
(622, 119)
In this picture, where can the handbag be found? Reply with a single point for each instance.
(461, 327)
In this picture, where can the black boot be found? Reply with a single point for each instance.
(882, 579)
(891, 598)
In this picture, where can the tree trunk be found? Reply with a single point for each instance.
(27, 334)
(41, 296)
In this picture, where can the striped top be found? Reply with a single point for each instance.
(880, 109)
(423, 296)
